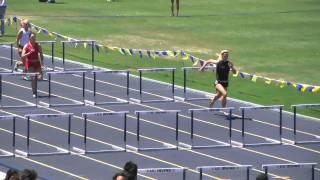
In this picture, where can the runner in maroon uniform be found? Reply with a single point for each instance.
(32, 53)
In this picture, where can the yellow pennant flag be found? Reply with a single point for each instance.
(40, 29)
(128, 52)
(236, 74)
(282, 84)
(254, 78)
(85, 45)
(111, 48)
(196, 62)
(50, 34)
(170, 53)
(304, 88)
(316, 89)
(186, 57)
(268, 81)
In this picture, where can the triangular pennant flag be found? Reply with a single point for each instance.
(128, 52)
(170, 53)
(131, 51)
(111, 48)
(310, 88)
(140, 54)
(289, 83)
(186, 57)
(254, 78)
(14, 19)
(195, 62)
(98, 48)
(236, 74)
(282, 84)
(192, 59)
(242, 75)
(45, 31)
(304, 88)
(268, 81)
(316, 89)
(165, 53)
(123, 50)
(201, 62)
(149, 54)
(85, 45)
(299, 87)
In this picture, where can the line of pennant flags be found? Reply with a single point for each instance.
(153, 54)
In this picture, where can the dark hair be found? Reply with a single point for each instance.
(28, 174)
(262, 176)
(132, 170)
(11, 173)
(121, 173)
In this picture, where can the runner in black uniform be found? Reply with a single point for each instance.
(223, 66)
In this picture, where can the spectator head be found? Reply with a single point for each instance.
(120, 176)
(262, 176)
(28, 174)
(131, 168)
(12, 175)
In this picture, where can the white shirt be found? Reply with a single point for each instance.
(25, 37)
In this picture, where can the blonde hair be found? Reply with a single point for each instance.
(221, 53)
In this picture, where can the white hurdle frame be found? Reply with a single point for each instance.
(266, 167)
(192, 114)
(164, 171)
(167, 146)
(18, 106)
(95, 73)
(11, 53)
(13, 119)
(222, 168)
(300, 106)
(122, 114)
(275, 107)
(185, 79)
(60, 151)
(92, 42)
(172, 70)
(63, 73)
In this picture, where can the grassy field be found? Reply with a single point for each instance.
(276, 38)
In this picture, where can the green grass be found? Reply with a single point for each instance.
(275, 38)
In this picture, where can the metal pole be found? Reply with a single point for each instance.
(294, 123)
(94, 86)
(14, 135)
(280, 125)
(191, 134)
(85, 133)
(83, 86)
(177, 129)
(173, 77)
(63, 55)
(185, 83)
(52, 55)
(128, 84)
(28, 135)
(125, 130)
(69, 133)
(242, 129)
(140, 85)
(138, 129)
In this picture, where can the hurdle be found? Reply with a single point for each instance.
(52, 43)
(166, 146)
(13, 139)
(267, 167)
(76, 42)
(185, 80)
(193, 112)
(181, 170)
(271, 141)
(11, 53)
(202, 169)
(27, 104)
(157, 70)
(76, 103)
(115, 148)
(118, 100)
(302, 106)
(60, 151)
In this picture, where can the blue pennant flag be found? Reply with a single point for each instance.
(14, 19)
(165, 53)
(97, 47)
(299, 87)
(289, 83)
(242, 75)
(123, 50)
(149, 54)
(310, 88)
(140, 54)
(131, 51)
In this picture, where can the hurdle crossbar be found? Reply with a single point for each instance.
(312, 165)
(13, 139)
(90, 42)
(11, 53)
(172, 70)
(271, 107)
(185, 79)
(192, 114)
(77, 103)
(60, 151)
(295, 108)
(247, 168)
(114, 147)
(52, 43)
(166, 145)
(95, 73)
(164, 171)
(28, 104)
